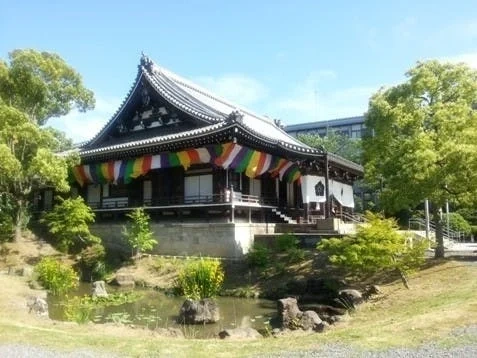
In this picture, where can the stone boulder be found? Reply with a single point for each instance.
(350, 298)
(292, 318)
(99, 289)
(239, 333)
(199, 311)
(38, 306)
(124, 280)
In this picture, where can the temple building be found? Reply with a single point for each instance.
(206, 170)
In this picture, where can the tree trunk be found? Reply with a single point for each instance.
(439, 252)
(19, 220)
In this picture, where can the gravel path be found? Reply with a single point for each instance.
(428, 351)
(27, 351)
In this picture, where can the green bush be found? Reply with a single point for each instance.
(6, 227)
(295, 255)
(55, 276)
(258, 256)
(201, 278)
(69, 222)
(287, 242)
(139, 234)
(458, 223)
(377, 246)
(92, 262)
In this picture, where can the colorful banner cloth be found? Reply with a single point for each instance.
(227, 156)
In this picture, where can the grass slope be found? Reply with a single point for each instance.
(442, 298)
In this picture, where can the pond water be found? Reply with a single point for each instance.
(155, 309)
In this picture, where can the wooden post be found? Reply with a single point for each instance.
(249, 214)
(327, 189)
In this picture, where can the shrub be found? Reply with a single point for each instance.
(295, 255)
(139, 234)
(458, 223)
(375, 247)
(258, 256)
(55, 276)
(6, 226)
(286, 242)
(200, 279)
(68, 222)
(92, 261)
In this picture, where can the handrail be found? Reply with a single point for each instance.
(124, 202)
(447, 233)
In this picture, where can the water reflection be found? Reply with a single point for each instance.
(155, 309)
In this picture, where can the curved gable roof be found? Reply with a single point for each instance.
(197, 102)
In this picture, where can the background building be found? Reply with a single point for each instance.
(352, 127)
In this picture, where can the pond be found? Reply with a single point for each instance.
(156, 309)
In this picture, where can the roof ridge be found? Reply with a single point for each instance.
(207, 93)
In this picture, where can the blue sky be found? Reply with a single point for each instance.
(296, 60)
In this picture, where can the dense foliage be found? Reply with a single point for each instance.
(335, 143)
(69, 222)
(377, 246)
(424, 142)
(138, 234)
(35, 86)
(92, 262)
(201, 278)
(258, 256)
(459, 224)
(56, 276)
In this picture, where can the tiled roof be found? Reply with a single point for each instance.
(152, 140)
(200, 104)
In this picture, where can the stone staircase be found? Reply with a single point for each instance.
(283, 216)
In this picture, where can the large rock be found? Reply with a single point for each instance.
(292, 318)
(310, 320)
(240, 333)
(350, 298)
(99, 289)
(38, 306)
(124, 279)
(198, 312)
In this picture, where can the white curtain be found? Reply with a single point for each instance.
(310, 188)
(343, 193)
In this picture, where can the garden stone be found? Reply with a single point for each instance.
(288, 312)
(240, 333)
(199, 311)
(124, 279)
(99, 289)
(351, 297)
(310, 321)
(292, 318)
(38, 306)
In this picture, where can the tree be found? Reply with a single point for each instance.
(139, 234)
(69, 223)
(424, 142)
(42, 85)
(376, 247)
(335, 143)
(34, 87)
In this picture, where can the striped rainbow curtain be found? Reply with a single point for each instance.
(227, 156)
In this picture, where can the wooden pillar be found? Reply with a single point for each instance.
(306, 208)
(249, 214)
(327, 189)
(232, 207)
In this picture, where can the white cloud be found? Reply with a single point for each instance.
(468, 58)
(237, 88)
(83, 126)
